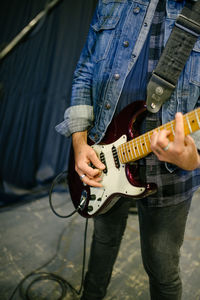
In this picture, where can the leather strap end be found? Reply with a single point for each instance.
(158, 91)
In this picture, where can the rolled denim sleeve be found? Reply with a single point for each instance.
(76, 118)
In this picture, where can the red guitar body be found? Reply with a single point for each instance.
(126, 124)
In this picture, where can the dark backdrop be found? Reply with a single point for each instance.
(36, 78)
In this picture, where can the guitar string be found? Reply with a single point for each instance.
(188, 118)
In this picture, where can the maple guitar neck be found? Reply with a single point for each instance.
(140, 147)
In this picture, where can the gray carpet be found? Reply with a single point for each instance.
(33, 238)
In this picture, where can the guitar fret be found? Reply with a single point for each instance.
(138, 148)
(119, 153)
(122, 151)
(197, 117)
(141, 145)
(133, 156)
(125, 152)
(134, 149)
(128, 151)
(145, 144)
(172, 127)
(188, 122)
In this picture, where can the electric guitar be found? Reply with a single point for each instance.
(120, 150)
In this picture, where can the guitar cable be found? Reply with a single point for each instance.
(37, 275)
(57, 179)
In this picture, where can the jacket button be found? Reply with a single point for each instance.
(125, 44)
(107, 106)
(136, 10)
(96, 137)
(116, 76)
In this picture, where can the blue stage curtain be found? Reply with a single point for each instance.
(36, 78)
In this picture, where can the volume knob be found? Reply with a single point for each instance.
(90, 208)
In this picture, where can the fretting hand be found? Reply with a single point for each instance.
(181, 152)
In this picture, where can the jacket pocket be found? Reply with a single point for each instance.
(195, 64)
(105, 33)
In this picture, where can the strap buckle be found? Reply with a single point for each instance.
(188, 25)
(158, 91)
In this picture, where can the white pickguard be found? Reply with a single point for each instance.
(114, 181)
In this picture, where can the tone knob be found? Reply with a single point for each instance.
(90, 208)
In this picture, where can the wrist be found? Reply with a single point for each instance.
(198, 165)
(79, 137)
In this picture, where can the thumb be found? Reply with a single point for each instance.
(96, 161)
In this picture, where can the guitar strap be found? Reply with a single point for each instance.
(175, 54)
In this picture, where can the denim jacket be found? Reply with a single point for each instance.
(116, 36)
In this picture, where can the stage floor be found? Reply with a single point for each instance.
(33, 238)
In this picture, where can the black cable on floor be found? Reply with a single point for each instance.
(40, 276)
(58, 180)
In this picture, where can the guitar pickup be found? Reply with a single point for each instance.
(115, 157)
(103, 160)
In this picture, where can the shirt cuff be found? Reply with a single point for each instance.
(76, 118)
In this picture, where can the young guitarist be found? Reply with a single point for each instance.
(125, 41)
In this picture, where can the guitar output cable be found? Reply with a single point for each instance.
(57, 179)
(38, 275)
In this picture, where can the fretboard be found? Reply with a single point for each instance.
(140, 146)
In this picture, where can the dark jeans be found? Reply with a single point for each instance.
(161, 233)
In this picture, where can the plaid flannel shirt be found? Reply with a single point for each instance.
(179, 185)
